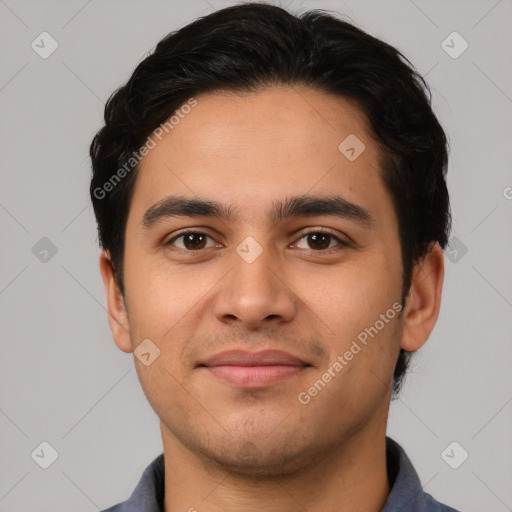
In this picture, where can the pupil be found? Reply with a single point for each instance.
(315, 237)
(190, 239)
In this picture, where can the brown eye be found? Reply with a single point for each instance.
(192, 241)
(320, 240)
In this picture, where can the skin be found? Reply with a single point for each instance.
(228, 448)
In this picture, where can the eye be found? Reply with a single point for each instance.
(320, 240)
(191, 240)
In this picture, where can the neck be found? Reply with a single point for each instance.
(351, 477)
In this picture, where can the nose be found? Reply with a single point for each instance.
(255, 294)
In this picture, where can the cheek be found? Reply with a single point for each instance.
(162, 304)
(169, 303)
(351, 296)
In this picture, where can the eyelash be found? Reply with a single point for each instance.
(323, 231)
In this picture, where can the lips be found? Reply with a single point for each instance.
(263, 358)
(244, 369)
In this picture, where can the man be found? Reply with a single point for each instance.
(272, 208)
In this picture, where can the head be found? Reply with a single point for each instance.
(253, 112)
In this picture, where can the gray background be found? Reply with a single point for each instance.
(62, 379)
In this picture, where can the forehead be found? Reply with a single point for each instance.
(252, 148)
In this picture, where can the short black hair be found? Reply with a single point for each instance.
(252, 46)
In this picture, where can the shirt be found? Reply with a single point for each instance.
(406, 493)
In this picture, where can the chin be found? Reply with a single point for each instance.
(263, 460)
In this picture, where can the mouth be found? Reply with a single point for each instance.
(254, 370)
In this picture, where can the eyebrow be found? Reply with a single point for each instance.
(296, 206)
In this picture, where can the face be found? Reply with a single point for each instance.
(312, 278)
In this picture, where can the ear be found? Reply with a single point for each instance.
(423, 300)
(117, 315)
